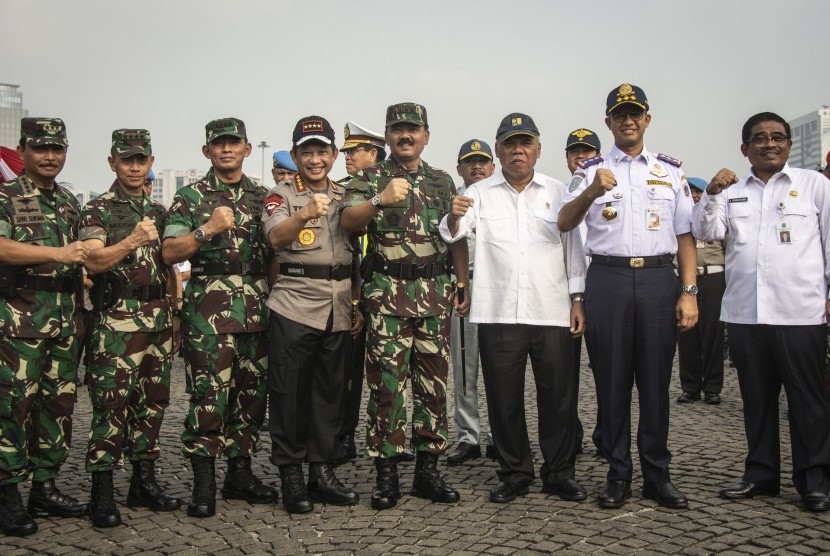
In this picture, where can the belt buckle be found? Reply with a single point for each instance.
(636, 262)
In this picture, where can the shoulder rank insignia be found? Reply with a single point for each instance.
(670, 160)
(299, 186)
(590, 162)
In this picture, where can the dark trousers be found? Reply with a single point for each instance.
(353, 386)
(631, 336)
(596, 435)
(766, 358)
(700, 350)
(504, 351)
(305, 384)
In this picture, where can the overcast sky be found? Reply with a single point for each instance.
(171, 66)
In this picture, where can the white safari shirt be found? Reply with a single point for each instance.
(526, 268)
(777, 258)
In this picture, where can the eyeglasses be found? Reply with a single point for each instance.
(620, 117)
(354, 150)
(475, 161)
(761, 140)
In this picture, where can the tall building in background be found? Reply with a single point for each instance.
(169, 181)
(811, 139)
(11, 111)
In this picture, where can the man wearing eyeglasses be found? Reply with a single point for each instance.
(475, 163)
(637, 207)
(361, 148)
(775, 220)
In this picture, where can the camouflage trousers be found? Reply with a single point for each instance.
(226, 384)
(398, 348)
(37, 397)
(129, 386)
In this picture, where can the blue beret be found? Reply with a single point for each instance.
(282, 159)
(151, 176)
(697, 183)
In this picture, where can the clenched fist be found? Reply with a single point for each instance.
(394, 192)
(460, 205)
(144, 233)
(74, 253)
(318, 206)
(604, 181)
(220, 221)
(724, 179)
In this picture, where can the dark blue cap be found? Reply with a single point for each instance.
(475, 147)
(282, 159)
(584, 137)
(626, 94)
(516, 124)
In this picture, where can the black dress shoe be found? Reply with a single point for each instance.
(566, 489)
(462, 452)
(507, 492)
(614, 494)
(816, 501)
(491, 452)
(665, 494)
(746, 490)
(688, 397)
(712, 398)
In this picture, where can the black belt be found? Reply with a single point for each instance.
(141, 293)
(227, 269)
(409, 271)
(62, 284)
(633, 262)
(318, 272)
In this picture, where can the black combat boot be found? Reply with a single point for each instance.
(102, 510)
(294, 494)
(145, 491)
(46, 500)
(428, 482)
(387, 490)
(324, 486)
(14, 520)
(242, 484)
(203, 503)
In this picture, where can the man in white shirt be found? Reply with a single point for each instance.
(528, 301)
(776, 222)
(637, 207)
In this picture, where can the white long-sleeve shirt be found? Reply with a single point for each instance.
(777, 248)
(526, 268)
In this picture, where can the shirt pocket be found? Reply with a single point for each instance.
(545, 227)
(494, 227)
(606, 211)
(740, 221)
(664, 198)
(800, 218)
(309, 237)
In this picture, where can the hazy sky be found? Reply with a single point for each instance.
(171, 66)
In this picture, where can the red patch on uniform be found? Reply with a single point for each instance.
(272, 202)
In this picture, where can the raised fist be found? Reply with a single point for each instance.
(394, 192)
(145, 233)
(318, 206)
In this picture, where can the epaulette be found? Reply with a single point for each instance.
(670, 160)
(590, 162)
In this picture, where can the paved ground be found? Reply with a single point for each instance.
(707, 443)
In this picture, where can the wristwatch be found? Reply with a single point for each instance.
(376, 201)
(691, 290)
(200, 235)
(577, 298)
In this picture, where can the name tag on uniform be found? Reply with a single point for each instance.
(653, 218)
(739, 200)
(785, 234)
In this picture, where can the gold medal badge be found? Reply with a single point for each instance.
(306, 236)
(609, 213)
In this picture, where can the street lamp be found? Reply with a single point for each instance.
(263, 145)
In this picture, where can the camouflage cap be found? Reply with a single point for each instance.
(43, 131)
(131, 142)
(406, 113)
(233, 127)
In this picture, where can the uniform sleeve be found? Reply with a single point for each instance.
(358, 190)
(274, 210)
(5, 217)
(92, 223)
(467, 223)
(575, 265)
(822, 200)
(709, 217)
(179, 218)
(683, 204)
(579, 181)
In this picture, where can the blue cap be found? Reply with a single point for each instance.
(282, 159)
(697, 183)
(475, 147)
(151, 176)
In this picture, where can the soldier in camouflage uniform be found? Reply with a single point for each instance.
(408, 295)
(310, 323)
(131, 345)
(216, 223)
(40, 281)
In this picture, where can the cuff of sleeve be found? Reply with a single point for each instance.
(576, 285)
(176, 231)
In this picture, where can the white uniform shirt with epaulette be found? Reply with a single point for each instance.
(643, 215)
(320, 242)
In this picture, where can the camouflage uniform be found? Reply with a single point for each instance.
(37, 345)
(224, 319)
(131, 343)
(407, 319)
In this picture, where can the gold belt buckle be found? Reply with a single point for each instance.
(636, 262)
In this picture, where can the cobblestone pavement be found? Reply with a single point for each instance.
(707, 442)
